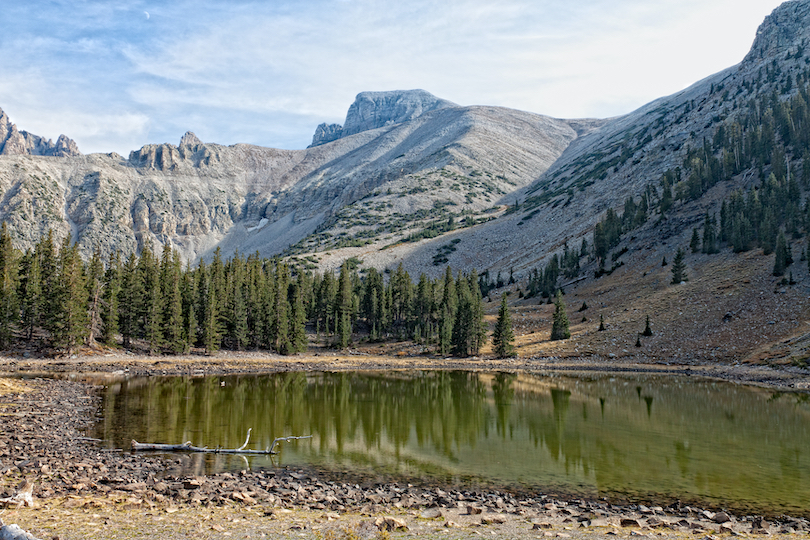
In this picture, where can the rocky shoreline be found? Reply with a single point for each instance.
(44, 454)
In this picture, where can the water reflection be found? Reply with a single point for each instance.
(654, 438)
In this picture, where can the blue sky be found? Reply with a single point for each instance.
(116, 75)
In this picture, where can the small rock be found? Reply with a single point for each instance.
(493, 520)
(389, 523)
(451, 524)
(721, 517)
(431, 513)
(472, 510)
(629, 522)
(541, 525)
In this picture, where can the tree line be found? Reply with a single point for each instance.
(51, 294)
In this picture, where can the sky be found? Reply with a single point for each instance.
(115, 75)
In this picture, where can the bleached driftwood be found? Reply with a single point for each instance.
(188, 447)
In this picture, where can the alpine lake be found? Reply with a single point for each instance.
(626, 438)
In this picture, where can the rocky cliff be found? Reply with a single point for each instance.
(16, 143)
(372, 110)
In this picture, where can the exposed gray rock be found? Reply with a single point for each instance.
(326, 133)
(785, 30)
(372, 110)
(14, 142)
(189, 139)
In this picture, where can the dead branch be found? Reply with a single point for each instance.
(188, 447)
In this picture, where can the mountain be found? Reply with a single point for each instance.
(405, 157)
(406, 174)
(628, 156)
(14, 142)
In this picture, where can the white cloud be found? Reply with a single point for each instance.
(268, 72)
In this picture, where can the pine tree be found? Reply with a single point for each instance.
(447, 312)
(112, 289)
(559, 327)
(647, 330)
(694, 245)
(129, 298)
(344, 306)
(298, 317)
(70, 324)
(503, 338)
(30, 294)
(281, 310)
(709, 235)
(678, 267)
(781, 259)
(9, 269)
(601, 323)
(95, 290)
(172, 331)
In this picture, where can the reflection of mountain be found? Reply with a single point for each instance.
(702, 440)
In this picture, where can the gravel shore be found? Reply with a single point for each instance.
(117, 494)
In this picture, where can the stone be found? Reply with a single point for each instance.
(14, 532)
(629, 522)
(541, 525)
(474, 510)
(493, 520)
(721, 517)
(389, 523)
(451, 524)
(431, 513)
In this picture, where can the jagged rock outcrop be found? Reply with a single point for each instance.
(14, 142)
(326, 133)
(786, 30)
(189, 139)
(372, 110)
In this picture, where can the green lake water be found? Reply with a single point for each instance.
(655, 439)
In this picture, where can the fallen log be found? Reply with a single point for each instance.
(188, 447)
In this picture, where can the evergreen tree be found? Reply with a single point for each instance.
(172, 327)
(647, 330)
(129, 298)
(344, 307)
(678, 267)
(298, 317)
(781, 260)
(70, 324)
(709, 235)
(601, 323)
(694, 245)
(559, 327)
(9, 306)
(281, 310)
(151, 307)
(95, 290)
(503, 338)
(110, 308)
(30, 294)
(447, 312)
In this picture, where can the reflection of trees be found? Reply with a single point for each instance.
(440, 409)
(435, 419)
(503, 393)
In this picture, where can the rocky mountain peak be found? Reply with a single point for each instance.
(785, 29)
(189, 139)
(14, 142)
(372, 110)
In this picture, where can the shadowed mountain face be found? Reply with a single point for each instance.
(407, 173)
